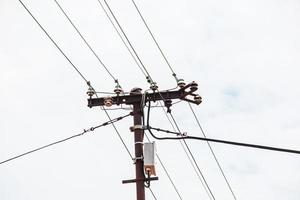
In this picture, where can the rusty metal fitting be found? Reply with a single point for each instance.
(108, 101)
(193, 86)
(153, 86)
(198, 99)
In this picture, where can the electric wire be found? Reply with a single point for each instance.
(174, 74)
(166, 171)
(151, 191)
(256, 146)
(158, 157)
(52, 40)
(128, 41)
(138, 62)
(209, 191)
(212, 151)
(116, 130)
(120, 27)
(188, 153)
(111, 121)
(154, 39)
(122, 39)
(85, 41)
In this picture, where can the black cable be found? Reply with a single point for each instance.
(65, 139)
(56, 45)
(222, 141)
(85, 41)
(127, 39)
(196, 163)
(212, 151)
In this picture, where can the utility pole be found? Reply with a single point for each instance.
(138, 141)
(137, 99)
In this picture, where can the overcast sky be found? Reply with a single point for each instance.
(243, 53)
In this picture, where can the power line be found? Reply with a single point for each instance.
(56, 45)
(127, 39)
(111, 121)
(188, 153)
(151, 191)
(213, 153)
(138, 63)
(159, 159)
(85, 41)
(166, 171)
(120, 36)
(119, 135)
(155, 41)
(270, 148)
(197, 166)
(75, 69)
(174, 74)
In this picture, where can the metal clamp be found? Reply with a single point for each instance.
(136, 127)
(142, 143)
(137, 158)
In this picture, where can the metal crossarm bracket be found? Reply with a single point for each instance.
(185, 93)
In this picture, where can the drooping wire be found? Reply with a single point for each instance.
(150, 80)
(256, 146)
(111, 121)
(207, 188)
(56, 45)
(212, 151)
(85, 41)
(75, 69)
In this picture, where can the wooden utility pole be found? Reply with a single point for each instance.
(137, 99)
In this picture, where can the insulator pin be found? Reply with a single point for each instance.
(181, 83)
(90, 92)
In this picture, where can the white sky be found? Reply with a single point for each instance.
(244, 55)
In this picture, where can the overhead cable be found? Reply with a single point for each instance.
(88, 83)
(256, 146)
(68, 138)
(122, 39)
(212, 151)
(56, 45)
(174, 74)
(154, 39)
(207, 188)
(85, 41)
(150, 80)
